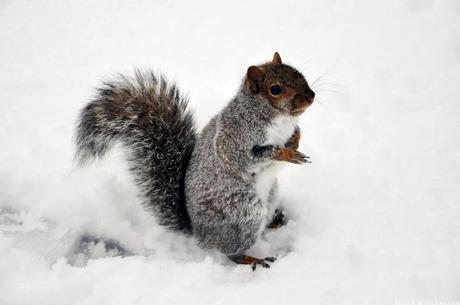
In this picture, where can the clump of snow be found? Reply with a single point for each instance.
(374, 219)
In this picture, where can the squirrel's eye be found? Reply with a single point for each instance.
(276, 90)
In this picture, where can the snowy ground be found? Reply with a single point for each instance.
(375, 219)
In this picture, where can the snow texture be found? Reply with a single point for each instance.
(375, 219)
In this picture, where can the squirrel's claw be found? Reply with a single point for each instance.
(299, 158)
(263, 262)
(270, 259)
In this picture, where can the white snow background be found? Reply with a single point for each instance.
(375, 219)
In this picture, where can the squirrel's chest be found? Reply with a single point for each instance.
(280, 130)
(277, 133)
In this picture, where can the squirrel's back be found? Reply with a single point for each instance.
(150, 119)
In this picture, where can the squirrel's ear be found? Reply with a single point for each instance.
(277, 59)
(254, 79)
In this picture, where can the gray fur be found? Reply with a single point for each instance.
(224, 207)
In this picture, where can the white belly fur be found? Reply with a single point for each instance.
(278, 133)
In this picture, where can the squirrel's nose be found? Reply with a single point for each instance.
(309, 97)
(310, 94)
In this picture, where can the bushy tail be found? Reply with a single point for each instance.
(152, 122)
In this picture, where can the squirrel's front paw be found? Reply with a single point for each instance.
(291, 155)
(294, 140)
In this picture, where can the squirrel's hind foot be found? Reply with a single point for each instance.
(279, 220)
(253, 261)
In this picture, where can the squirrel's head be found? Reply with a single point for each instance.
(281, 85)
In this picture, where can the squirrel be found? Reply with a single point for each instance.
(218, 185)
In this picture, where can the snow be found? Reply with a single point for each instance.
(375, 218)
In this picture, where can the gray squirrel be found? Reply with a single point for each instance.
(219, 185)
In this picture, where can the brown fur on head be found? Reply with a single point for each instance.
(283, 86)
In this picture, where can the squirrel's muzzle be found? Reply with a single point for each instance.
(302, 102)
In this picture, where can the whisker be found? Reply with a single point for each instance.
(327, 90)
(317, 79)
(326, 84)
